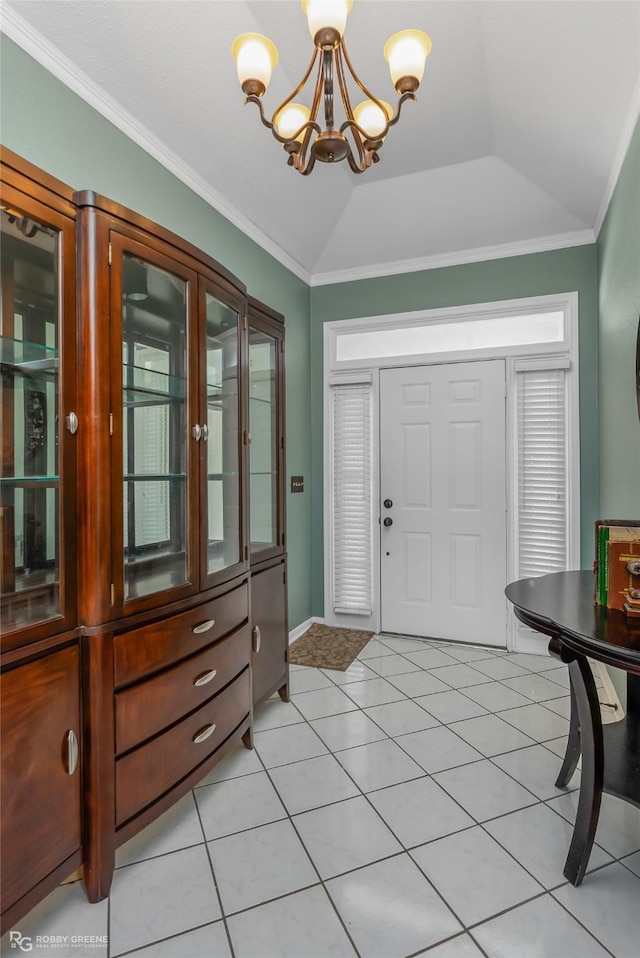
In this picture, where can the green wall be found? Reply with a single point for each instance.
(45, 122)
(49, 125)
(618, 253)
(537, 274)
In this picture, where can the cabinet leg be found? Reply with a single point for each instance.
(283, 692)
(572, 754)
(247, 738)
(591, 782)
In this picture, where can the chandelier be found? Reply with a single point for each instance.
(298, 127)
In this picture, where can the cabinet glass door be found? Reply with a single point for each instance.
(263, 451)
(30, 507)
(154, 428)
(221, 436)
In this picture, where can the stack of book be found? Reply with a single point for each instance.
(617, 565)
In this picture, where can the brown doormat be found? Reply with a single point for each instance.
(325, 647)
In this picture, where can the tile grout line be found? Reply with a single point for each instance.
(403, 849)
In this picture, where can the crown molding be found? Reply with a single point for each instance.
(442, 260)
(45, 53)
(623, 145)
(48, 56)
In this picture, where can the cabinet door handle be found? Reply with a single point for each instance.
(205, 433)
(72, 751)
(203, 734)
(72, 423)
(196, 432)
(206, 677)
(204, 626)
(257, 639)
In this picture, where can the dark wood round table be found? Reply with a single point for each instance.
(562, 606)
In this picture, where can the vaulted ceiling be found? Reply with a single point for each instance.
(513, 145)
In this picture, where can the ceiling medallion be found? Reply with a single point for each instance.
(296, 126)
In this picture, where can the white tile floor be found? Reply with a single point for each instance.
(404, 807)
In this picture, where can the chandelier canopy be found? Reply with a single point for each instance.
(298, 127)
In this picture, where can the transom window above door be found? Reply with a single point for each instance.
(487, 330)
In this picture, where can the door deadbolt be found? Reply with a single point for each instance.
(387, 503)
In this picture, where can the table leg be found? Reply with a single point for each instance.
(572, 753)
(590, 731)
(633, 694)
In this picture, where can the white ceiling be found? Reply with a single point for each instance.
(514, 144)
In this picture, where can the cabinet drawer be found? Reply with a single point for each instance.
(145, 709)
(154, 647)
(148, 772)
(40, 798)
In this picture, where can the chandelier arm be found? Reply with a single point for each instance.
(403, 99)
(357, 167)
(258, 102)
(302, 166)
(357, 79)
(298, 88)
(392, 122)
(309, 125)
(346, 103)
(369, 94)
(299, 163)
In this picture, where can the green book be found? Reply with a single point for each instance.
(603, 564)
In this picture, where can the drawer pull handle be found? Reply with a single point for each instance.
(206, 677)
(204, 626)
(257, 639)
(72, 751)
(204, 733)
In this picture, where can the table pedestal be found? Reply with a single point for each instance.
(610, 754)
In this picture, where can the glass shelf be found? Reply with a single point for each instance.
(28, 357)
(155, 477)
(258, 399)
(26, 481)
(219, 476)
(268, 472)
(141, 386)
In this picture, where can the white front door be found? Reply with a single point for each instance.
(443, 501)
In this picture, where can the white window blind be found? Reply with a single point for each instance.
(151, 431)
(542, 472)
(352, 560)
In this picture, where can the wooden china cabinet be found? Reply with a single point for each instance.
(267, 502)
(164, 550)
(41, 724)
(143, 576)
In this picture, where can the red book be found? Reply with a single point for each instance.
(619, 579)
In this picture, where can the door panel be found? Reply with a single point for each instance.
(442, 441)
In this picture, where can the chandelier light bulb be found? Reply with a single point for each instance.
(289, 120)
(255, 57)
(325, 15)
(371, 118)
(406, 53)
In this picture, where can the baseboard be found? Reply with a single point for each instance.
(302, 628)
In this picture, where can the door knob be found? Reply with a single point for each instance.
(387, 503)
(387, 522)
